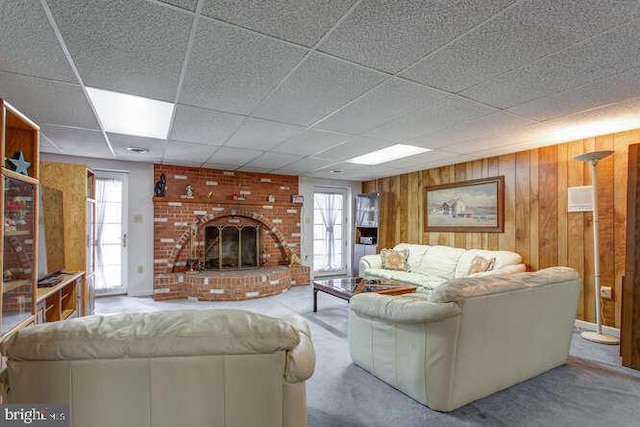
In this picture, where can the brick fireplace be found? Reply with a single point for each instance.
(229, 236)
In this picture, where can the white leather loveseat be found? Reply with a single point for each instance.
(468, 338)
(431, 266)
(171, 368)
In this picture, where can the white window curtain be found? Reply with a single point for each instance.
(105, 190)
(329, 206)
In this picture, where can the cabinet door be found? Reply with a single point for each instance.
(18, 252)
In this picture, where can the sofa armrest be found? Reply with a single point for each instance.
(301, 360)
(508, 269)
(369, 261)
(407, 308)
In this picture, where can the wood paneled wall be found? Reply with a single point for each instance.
(537, 224)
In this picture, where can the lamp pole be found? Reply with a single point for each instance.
(597, 336)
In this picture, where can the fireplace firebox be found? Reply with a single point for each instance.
(232, 247)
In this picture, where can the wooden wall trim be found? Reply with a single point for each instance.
(630, 332)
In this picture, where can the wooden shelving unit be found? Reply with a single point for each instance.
(77, 183)
(62, 301)
(19, 141)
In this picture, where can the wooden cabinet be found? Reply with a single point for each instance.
(62, 301)
(19, 140)
(77, 184)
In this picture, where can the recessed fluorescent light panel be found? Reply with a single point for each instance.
(388, 154)
(132, 115)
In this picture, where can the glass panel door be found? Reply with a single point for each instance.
(111, 233)
(329, 252)
(17, 258)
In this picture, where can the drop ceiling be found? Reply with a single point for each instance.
(300, 86)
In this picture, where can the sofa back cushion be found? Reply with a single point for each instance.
(157, 334)
(440, 261)
(415, 252)
(502, 259)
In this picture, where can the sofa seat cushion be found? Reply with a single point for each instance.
(440, 261)
(421, 280)
(158, 334)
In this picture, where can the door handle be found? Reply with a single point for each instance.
(124, 240)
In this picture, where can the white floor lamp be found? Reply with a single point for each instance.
(597, 336)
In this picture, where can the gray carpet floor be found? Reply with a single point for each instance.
(592, 389)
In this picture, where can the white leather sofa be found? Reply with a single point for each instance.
(172, 368)
(468, 338)
(431, 266)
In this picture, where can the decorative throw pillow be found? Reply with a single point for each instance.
(481, 264)
(395, 260)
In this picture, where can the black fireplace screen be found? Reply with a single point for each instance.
(232, 247)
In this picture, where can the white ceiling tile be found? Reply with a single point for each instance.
(524, 33)
(233, 156)
(186, 151)
(231, 69)
(192, 124)
(299, 21)
(386, 102)
(272, 160)
(318, 87)
(46, 146)
(254, 169)
(121, 142)
(188, 163)
(184, 4)
(136, 47)
(353, 148)
(310, 142)
(304, 166)
(602, 92)
(447, 112)
(599, 57)
(418, 161)
(47, 101)
(498, 125)
(28, 44)
(392, 35)
(78, 142)
(263, 134)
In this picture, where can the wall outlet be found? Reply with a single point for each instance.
(140, 268)
(606, 292)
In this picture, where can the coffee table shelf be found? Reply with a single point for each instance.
(346, 287)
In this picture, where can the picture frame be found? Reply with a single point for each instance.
(297, 198)
(474, 206)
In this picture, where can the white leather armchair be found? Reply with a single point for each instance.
(191, 368)
(469, 337)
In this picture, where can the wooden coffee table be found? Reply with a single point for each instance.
(345, 288)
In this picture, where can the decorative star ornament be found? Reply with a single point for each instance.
(18, 163)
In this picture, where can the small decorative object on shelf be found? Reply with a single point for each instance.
(297, 198)
(265, 256)
(210, 195)
(161, 186)
(234, 197)
(18, 164)
(188, 192)
(271, 198)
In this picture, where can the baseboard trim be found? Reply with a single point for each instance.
(588, 326)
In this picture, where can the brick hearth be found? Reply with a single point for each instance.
(267, 202)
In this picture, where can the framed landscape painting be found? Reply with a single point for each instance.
(468, 206)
